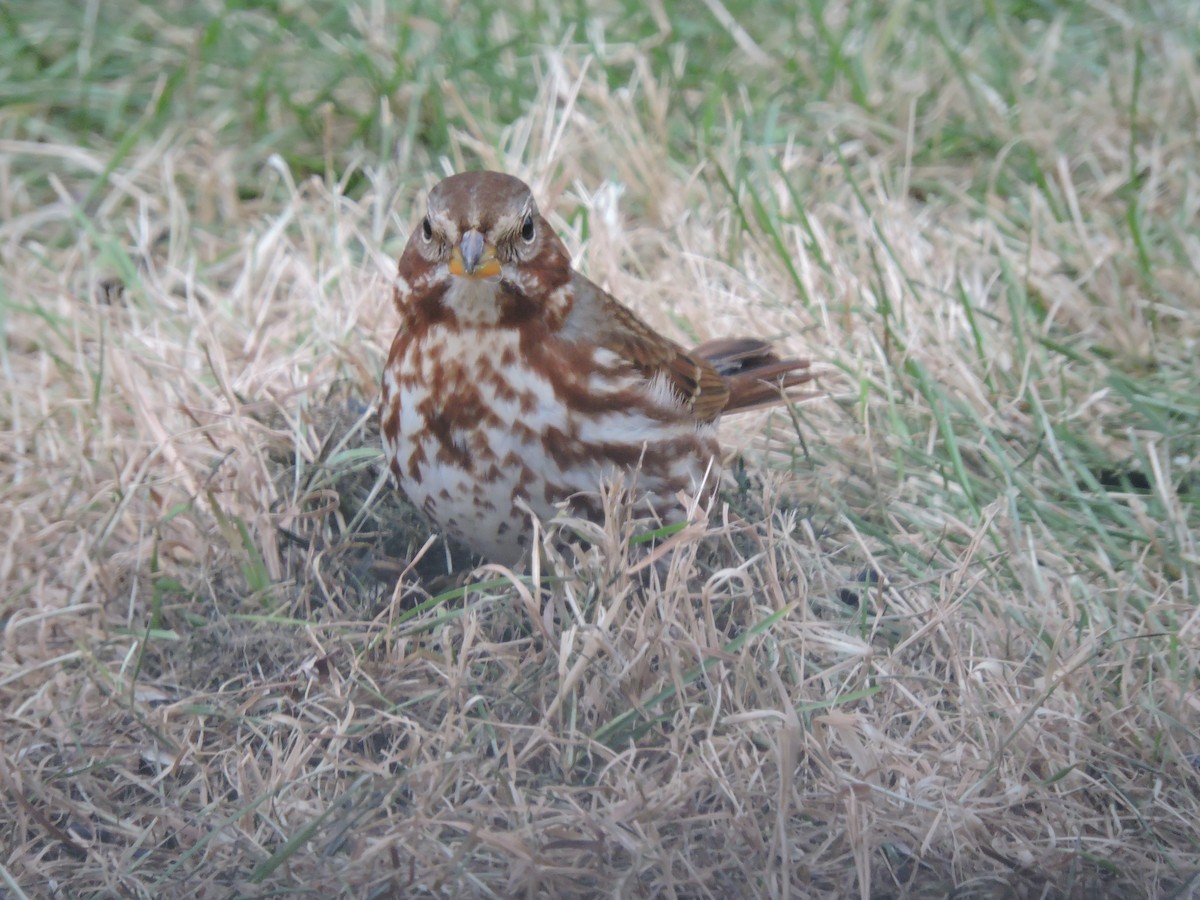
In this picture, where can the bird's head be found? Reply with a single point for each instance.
(482, 253)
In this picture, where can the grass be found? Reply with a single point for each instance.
(952, 650)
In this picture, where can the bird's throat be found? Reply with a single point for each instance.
(474, 301)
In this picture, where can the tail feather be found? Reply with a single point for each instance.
(756, 375)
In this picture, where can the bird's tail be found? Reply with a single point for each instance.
(756, 375)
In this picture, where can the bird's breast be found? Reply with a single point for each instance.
(479, 423)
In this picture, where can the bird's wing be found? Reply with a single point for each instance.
(599, 318)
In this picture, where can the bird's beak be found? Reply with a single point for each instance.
(474, 257)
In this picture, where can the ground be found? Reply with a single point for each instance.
(941, 636)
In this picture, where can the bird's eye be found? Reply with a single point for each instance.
(427, 229)
(527, 229)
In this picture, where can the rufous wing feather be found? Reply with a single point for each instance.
(614, 326)
(720, 376)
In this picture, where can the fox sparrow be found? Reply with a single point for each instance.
(515, 383)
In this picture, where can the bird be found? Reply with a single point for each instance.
(514, 384)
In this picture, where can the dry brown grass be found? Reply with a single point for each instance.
(208, 688)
